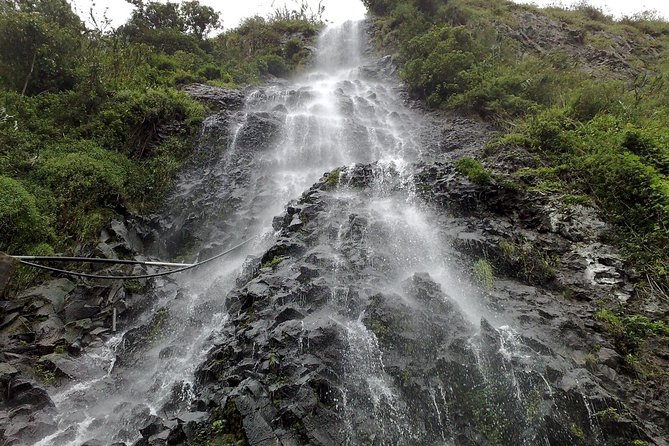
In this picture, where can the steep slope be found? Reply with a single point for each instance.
(394, 296)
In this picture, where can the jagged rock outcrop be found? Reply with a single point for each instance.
(357, 321)
(45, 329)
(319, 351)
(543, 34)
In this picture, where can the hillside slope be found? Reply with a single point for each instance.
(578, 100)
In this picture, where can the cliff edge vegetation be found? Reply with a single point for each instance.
(580, 101)
(92, 120)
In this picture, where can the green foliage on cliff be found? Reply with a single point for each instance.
(20, 218)
(599, 128)
(630, 331)
(474, 170)
(92, 122)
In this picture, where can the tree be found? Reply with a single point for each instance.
(40, 44)
(188, 17)
(200, 20)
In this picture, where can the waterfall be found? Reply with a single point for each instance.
(387, 249)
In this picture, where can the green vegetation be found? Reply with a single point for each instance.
(576, 431)
(590, 361)
(378, 328)
(597, 134)
(92, 124)
(622, 166)
(332, 178)
(274, 261)
(630, 331)
(608, 415)
(226, 428)
(483, 273)
(133, 286)
(156, 326)
(45, 375)
(473, 170)
(523, 260)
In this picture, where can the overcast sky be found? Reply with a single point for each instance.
(618, 8)
(233, 11)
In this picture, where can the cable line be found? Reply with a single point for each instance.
(98, 260)
(180, 266)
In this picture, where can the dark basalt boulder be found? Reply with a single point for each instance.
(216, 97)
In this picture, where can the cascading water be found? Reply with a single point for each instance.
(383, 250)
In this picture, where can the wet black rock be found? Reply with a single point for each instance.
(297, 367)
(260, 130)
(21, 392)
(218, 98)
(335, 334)
(561, 266)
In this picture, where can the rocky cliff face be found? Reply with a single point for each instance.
(293, 374)
(395, 302)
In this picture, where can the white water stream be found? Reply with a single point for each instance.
(335, 115)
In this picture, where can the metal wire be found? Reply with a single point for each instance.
(22, 260)
(97, 260)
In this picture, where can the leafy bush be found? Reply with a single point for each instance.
(87, 179)
(272, 64)
(473, 170)
(292, 47)
(437, 62)
(650, 143)
(483, 273)
(150, 179)
(130, 120)
(21, 222)
(523, 260)
(592, 98)
(181, 77)
(210, 72)
(332, 178)
(631, 331)
(39, 46)
(550, 132)
(632, 191)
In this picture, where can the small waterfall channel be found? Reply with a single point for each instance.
(387, 265)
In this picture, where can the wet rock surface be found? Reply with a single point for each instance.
(556, 270)
(217, 98)
(299, 363)
(343, 329)
(45, 330)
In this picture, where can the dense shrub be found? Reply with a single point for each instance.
(130, 120)
(473, 170)
(292, 47)
(272, 64)
(592, 98)
(92, 178)
(39, 45)
(632, 191)
(210, 72)
(21, 222)
(437, 62)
